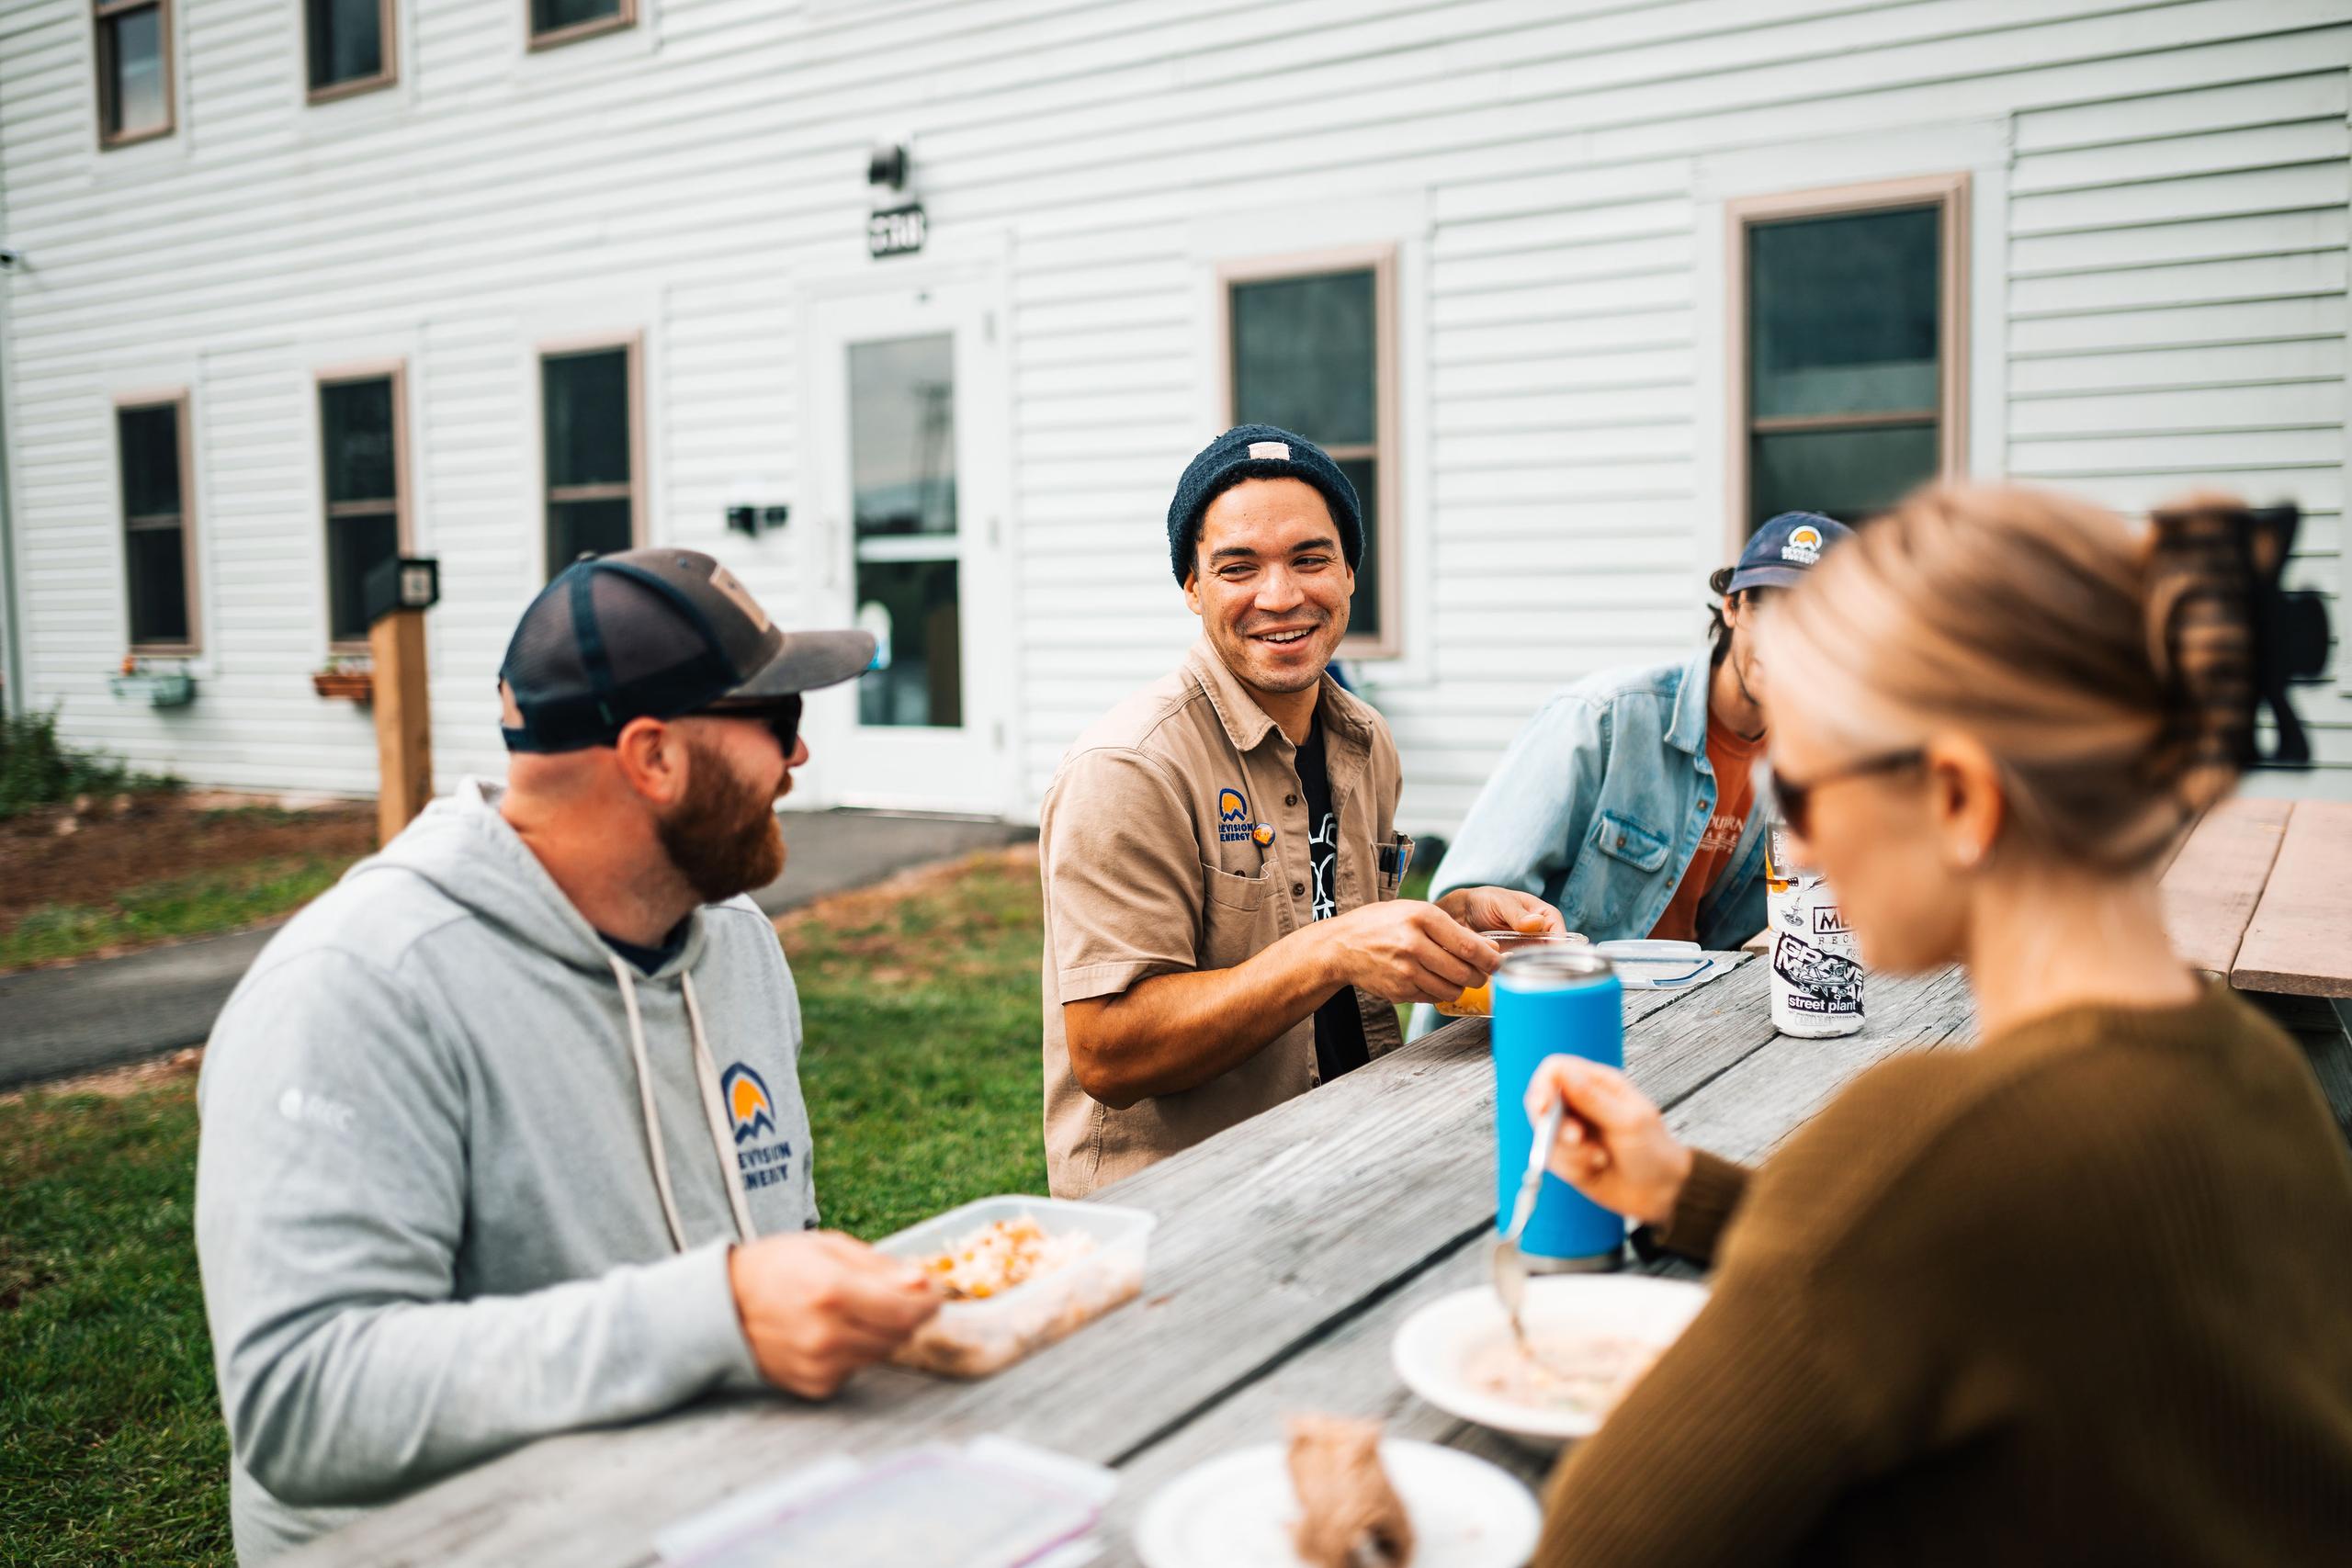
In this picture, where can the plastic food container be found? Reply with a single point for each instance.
(971, 1339)
(1478, 1001)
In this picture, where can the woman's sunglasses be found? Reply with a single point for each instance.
(781, 714)
(1794, 797)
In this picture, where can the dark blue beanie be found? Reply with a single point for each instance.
(1257, 452)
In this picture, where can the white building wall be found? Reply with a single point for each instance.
(2160, 198)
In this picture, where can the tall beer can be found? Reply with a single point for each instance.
(1817, 967)
(1553, 1002)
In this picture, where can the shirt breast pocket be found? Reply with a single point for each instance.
(1237, 918)
(1629, 843)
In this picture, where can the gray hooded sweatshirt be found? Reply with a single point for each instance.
(466, 1179)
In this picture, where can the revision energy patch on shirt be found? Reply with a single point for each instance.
(1232, 816)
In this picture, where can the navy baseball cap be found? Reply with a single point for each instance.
(1780, 553)
(653, 634)
(1259, 452)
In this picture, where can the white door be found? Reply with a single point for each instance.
(907, 442)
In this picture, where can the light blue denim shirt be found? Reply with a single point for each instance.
(1600, 805)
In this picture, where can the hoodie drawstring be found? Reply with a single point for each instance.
(714, 1115)
(722, 1126)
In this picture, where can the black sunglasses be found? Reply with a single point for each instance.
(1795, 799)
(781, 714)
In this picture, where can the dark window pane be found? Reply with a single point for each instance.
(1843, 315)
(151, 462)
(346, 40)
(356, 420)
(573, 527)
(1363, 610)
(158, 572)
(355, 546)
(1850, 474)
(911, 607)
(902, 435)
(587, 415)
(550, 16)
(130, 55)
(1305, 356)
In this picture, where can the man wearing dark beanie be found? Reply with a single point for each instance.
(1220, 854)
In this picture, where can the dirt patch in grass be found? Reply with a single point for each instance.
(129, 841)
(110, 873)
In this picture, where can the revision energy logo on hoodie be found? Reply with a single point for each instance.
(752, 1112)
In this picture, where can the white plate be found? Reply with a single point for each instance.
(1236, 1512)
(1434, 1345)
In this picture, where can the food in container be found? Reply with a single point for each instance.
(1002, 1255)
(1478, 1001)
(1038, 1270)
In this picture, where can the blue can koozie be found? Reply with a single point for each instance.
(1553, 1004)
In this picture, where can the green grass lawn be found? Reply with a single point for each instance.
(198, 904)
(923, 1078)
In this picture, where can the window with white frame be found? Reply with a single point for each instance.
(1310, 345)
(1848, 347)
(590, 421)
(363, 469)
(134, 60)
(158, 524)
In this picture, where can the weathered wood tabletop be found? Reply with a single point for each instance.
(1288, 1251)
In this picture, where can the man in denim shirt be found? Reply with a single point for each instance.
(1627, 802)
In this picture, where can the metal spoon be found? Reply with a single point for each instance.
(1509, 1267)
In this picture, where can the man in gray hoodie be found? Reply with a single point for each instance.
(503, 1135)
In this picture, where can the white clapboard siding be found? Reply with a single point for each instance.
(2183, 325)
(2174, 236)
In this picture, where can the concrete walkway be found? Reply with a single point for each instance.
(58, 1022)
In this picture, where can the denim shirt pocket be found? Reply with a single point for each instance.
(1628, 841)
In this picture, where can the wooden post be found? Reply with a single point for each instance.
(403, 721)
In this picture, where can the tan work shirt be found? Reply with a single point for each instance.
(1149, 869)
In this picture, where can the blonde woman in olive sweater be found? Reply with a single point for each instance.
(2083, 1293)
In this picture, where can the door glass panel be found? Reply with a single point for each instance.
(903, 437)
(911, 606)
(1844, 313)
(1848, 474)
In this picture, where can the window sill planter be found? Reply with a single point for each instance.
(162, 689)
(348, 686)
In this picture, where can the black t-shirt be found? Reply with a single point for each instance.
(1338, 1027)
(646, 960)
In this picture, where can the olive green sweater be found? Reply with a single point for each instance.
(2081, 1294)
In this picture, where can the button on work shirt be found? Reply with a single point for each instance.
(1149, 869)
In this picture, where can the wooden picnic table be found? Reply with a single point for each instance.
(2260, 894)
(1288, 1251)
